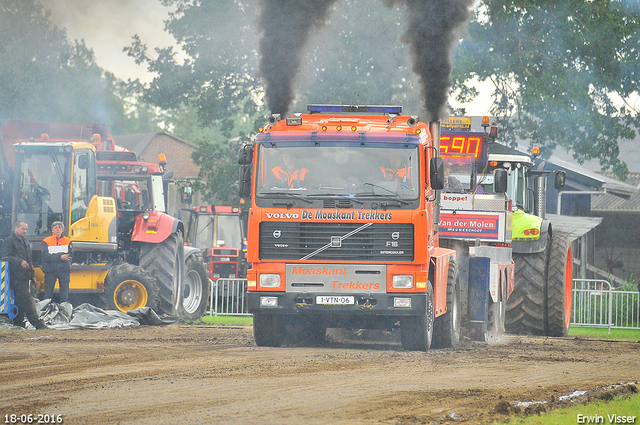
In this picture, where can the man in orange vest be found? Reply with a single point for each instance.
(289, 176)
(56, 262)
(397, 172)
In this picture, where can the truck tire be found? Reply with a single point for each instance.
(268, 330)
(196, 289)
(526, 305)
(416, 332)
(128, 287)
(447, 328)
(559, 285)
(165, 262)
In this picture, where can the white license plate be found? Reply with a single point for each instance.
(334, 300)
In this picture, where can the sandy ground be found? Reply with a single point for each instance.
(199, 374)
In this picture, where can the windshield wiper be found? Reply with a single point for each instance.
(395, 194)
(351, 197)
(288, 204)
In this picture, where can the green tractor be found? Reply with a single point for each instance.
(541, 301)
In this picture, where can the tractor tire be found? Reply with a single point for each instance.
(447, 328)
(268, 330)
(559, 285)
(416, 333)
(196, 289)
(165, 262)
(526, 305)
(128, 287)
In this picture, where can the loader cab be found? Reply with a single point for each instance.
(52, 182)
(517, 167)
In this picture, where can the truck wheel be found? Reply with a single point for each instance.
(196, 289)
(268, 330)
(559, 285)
(165, 262)
(446, 328)
(525, 306)
(128, 287)
(416, 333)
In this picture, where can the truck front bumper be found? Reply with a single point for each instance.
(370, 304)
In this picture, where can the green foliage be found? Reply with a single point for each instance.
(622, 406)
(556, 68)
(603, 333)
(44, 77)
(229, 320)
(218, 178)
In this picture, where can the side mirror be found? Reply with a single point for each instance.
(83, 161)
(559, 181)
(244, 181)
(500, 180)
(245, 156)
(186, 194)
(436, 173)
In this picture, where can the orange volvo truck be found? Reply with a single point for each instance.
(343, 228)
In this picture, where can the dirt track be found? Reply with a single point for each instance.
(205, 374)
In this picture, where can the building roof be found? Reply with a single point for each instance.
(573, 225)
(139, 142)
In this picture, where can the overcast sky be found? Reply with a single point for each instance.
(107, 26)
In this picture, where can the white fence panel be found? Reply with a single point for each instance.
(596, 303)
(228, 298)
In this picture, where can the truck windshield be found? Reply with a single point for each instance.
(224, 228)
(325, 169)
(40, 198)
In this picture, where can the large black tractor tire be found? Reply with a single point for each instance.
(416, 332)
(268, 330)
(526, 305)
(128, 287)
(559, 285)
(165, 262)
(447, 328)
(196, 288)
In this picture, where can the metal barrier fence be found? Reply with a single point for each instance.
(597, 304)
(228, 297)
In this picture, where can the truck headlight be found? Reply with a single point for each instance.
(402, 281)
(270, 280)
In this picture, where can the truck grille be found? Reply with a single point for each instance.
(336, 241)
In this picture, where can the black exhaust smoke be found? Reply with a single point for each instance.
(431, 34)
(286, 25)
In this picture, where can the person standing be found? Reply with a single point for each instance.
(56, 262)
(16, 250)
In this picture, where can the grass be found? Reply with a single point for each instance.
(603, 333)
(621, 407)
(229, 320)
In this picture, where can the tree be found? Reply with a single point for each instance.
(557, 68)
(44, 77)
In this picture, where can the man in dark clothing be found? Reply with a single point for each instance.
(56, 262)
(16, 250)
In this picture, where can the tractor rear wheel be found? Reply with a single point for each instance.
(526, 305)
(559, 285)
(128, 287)
(165, 261)
(446, 328)
(196, 288)
(416, 332)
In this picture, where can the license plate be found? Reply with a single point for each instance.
(334, 300)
